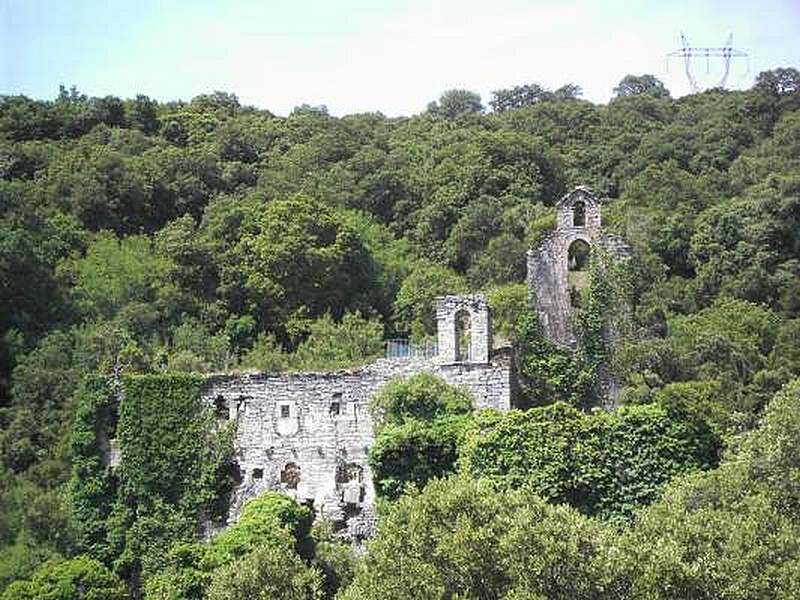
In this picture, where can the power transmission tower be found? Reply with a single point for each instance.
(726, 53)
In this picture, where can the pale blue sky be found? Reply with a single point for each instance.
(392, 56)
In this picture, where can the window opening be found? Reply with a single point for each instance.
(463, 325)
(579, 214)
(290, 475)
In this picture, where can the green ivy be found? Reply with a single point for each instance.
(604, 464)
(174, 470)
(93, 485)
(550, 373)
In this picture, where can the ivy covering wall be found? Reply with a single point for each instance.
(604, 464)
(175, 471)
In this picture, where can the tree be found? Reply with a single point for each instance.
(458, 538)
(264, 574)
(454, 103)
(301, 259)
(570, 91)
(729, 532)
(413, 307)
(419, 422)
(524, 95)
(634, 85)
(351, 341)
(270, 525)
(80, 578)
(142, 114)
(221, 104)
(421, 397)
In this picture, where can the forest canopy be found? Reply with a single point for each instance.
(151, 242)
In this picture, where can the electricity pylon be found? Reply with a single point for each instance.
(726, 53)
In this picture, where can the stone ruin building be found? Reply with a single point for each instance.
(309, 434)
(557, 267)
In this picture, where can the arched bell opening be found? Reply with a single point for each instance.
(463, 342)
(577, 269)
(579, 214)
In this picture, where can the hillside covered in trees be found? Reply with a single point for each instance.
(145, 242)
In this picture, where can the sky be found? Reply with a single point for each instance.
(392, 56)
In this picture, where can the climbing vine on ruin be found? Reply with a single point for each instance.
(554, 373)
(175, 470)
(548, 372)
(604, 464)
(603, 314)
(93, 485)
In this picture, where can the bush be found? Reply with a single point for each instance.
(415, 452)
(264, 574)
(419, 423)
(80, 578)
(272, 521)
(419, 397)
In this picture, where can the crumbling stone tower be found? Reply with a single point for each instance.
(557, 266)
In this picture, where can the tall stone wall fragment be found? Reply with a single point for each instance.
(577, 219)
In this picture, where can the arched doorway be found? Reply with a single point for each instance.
(463, 327)
(577, 269)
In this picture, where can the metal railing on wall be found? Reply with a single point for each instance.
(400, 349)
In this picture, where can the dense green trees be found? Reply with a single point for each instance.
(454, 103)
(727, 533)
(603, 464)
(73, 579)
(138, 236)
(632, 85)
(264, 555)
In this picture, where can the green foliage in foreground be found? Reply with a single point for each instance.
(80, 578)
(270, 525)
(419, 423)
(728, 533)
(264, 574)
(459, 538)
(603, 464)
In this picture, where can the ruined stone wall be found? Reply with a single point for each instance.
(319, 426)
(548, 270)
(548, 283)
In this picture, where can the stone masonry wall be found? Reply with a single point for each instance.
(548, 270)
(309, 434)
